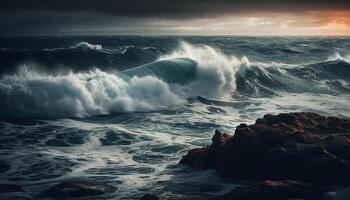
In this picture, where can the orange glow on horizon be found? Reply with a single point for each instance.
(334, 19)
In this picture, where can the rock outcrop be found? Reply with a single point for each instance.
(297, 146)
(9, 188)
(73, 188)
(149, 197)
(275, 190)
(311, 151)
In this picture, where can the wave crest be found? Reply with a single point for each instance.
(215, 75)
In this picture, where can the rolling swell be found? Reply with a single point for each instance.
(79, 58)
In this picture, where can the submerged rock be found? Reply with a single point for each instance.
(4, 166)
(297, 146)
(149, 197)
(9, 188)
(74, 188)
(12, 191)
(275, 190)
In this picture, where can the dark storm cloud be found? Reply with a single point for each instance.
(54, 22)
(174, 8)
(139, 16)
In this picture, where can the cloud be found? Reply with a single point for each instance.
(174, 8)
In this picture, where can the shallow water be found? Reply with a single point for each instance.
(123, 110)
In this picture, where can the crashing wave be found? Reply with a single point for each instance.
(31, 94)
(188, 72)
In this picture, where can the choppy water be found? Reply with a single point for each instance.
(123, 110)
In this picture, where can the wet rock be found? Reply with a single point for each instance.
(4, 166)
(9, 188)
(275, 190)
(220, 138)
(149, 197)
(73, 188)
(297, 146)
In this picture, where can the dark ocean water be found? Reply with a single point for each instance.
(122, 110)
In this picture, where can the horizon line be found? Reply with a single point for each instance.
(172, 35)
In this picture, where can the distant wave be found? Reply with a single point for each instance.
(86, 45)
(81, 45)
(81, 57)
(189, 71)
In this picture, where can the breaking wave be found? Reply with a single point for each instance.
(33, 94)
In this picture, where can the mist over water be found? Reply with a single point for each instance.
(123, 110)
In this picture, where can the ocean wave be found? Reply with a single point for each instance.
(81, 45)
(261, 79)
(30, 94)
(81, 57)
(215, 76)
(86, 45)
(189, 71)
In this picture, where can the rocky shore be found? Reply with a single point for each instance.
(296, 155)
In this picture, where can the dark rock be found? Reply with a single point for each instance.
(297, 146)
(4, 166)
(205, 158)
(275, 190)
(73, 188)
(149, 197)
(9, 188)
(220, 138)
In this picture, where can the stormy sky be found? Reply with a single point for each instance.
(197, 17)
